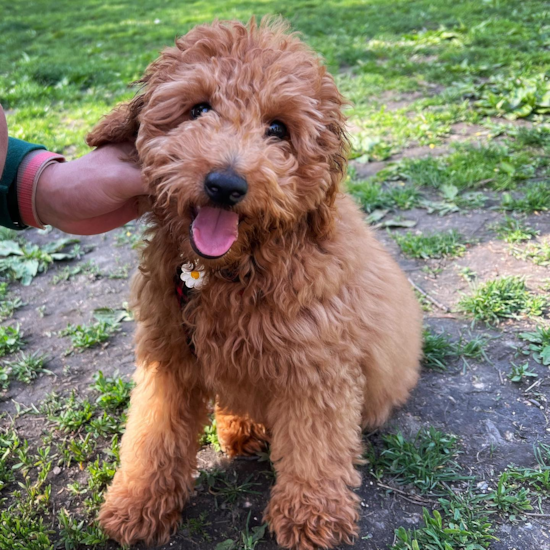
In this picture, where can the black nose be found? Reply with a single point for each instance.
(225, 188)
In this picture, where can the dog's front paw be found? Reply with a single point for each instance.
(305, 518)
(129, 517)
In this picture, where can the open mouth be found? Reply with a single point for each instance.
(213, 231)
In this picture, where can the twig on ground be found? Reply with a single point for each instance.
(428, 297)
(415, 499)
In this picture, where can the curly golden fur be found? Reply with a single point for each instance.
(306, 331)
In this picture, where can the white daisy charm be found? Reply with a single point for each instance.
(192, 275)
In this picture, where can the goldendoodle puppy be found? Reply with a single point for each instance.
(260, 285)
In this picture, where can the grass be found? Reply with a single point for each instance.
(372, 196)
(513, 230)
(471, 167)
(536, 252)
(8, 304)
(456, 528)
(536, 198)
(29, 522)
(226, 486)
(503, 298)
(423, 462)
(439, 350)
(449, 244)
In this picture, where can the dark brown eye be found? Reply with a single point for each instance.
(277, 129)
(199, 110)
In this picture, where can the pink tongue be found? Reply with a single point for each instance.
(215, 230)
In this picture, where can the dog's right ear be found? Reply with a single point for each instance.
(120, 125)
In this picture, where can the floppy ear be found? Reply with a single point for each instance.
(120, 125)
(336, 144)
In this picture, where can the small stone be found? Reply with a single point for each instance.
(482, 486)
(56, 471)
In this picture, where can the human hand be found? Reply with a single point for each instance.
(92, 194)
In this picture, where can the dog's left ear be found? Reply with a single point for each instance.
(120, 125)
(336, 145)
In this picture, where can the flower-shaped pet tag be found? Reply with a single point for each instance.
(192, 276)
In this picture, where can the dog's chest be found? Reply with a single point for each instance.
(235, 334)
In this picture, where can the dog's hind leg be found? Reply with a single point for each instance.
(239, 435)
(158, 457)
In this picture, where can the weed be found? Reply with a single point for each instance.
(508, 498)
(70, 414)
(438, 350)
(449, 244)
(503, 298)
(519, 372)
(131, 234)
(22, 262)
(114, 392)
(538, 253)
(86, 336)
(70, 272)
(106, 425)
(78, 449)
(210, 436)
(26, 367)
(11, 339)
(121, 272)
(539, 344)
(467, 273)
(74, 534)
(249, 538)
(425, 462)
(372, 196)
(457, 529)
(536, 198)
(7, 304)
(513, 230)
(221, 486)
(425, 304)
(197, 527)
(515, 97)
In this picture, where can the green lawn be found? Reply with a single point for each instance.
(66, 63)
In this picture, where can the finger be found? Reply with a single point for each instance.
(106, 222)
(124, 179)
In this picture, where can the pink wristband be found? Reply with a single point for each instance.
(28, 175)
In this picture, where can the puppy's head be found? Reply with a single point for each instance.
(240, 134)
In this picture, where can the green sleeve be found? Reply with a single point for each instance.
(9, 211)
